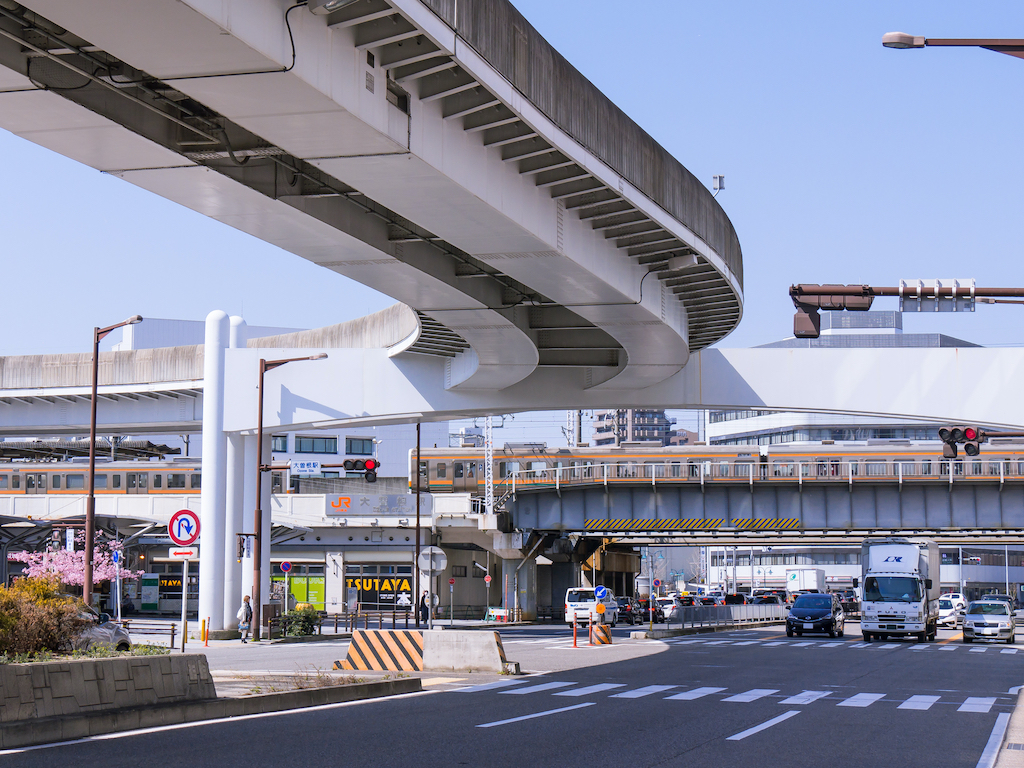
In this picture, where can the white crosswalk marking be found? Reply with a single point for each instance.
(976, 704)
(888, 646)
(719, 642)
(861, 645)
(977, 650)
(696, 693)
(1009, 650)
(748, 642)
(590, 689)
(687, 642)
(861, 700)
(806, 697)
(535, 688)
(831, 645)
(948, 648)
(777, 642)
(918, 702)
(489, 686)
(752, 695)
(801, 645)
(641, 692)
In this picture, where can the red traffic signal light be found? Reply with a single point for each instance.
(971, 437)
(370, 464)
(970, 433)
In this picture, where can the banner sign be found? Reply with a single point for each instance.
(402, 504)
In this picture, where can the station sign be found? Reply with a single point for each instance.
(304, 467)
(392, 504)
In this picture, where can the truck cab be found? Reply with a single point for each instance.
(900, 589)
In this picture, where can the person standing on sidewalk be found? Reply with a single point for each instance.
(244, 616)
(424, 608)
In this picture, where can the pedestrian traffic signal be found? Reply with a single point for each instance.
(970, 437)
(368, 467)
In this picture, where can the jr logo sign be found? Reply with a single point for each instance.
(893, 559)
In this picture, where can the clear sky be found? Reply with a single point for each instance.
(844, 162)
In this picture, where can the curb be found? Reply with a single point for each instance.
(24, 733)
(1011, 749)
(657, 634)
(309, 638)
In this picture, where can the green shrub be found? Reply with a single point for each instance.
(35, 617)
(303, 622)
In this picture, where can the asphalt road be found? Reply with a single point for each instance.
(752, 698)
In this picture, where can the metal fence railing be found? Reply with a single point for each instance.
(726, 615)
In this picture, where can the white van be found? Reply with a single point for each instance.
(581, 606)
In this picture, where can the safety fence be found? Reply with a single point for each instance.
(725, 615)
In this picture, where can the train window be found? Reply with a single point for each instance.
(101, 481)
(906, 468)
(471, 470)
(975, 467)
(588, 470)
(16, 482)
(115, 481)
(854, 468)
(457, 470)
(875, 468)
(442, 470)
(56, 482)
(723, 469)
(502, 469)
(175, 480)
(692, 469)
(1020, 467)
(676, 469)
(926, 467)
(538, 466)
(958, 467)
(30, 482)
(744, 469)
(158, 481)
(423, 470)
(75, 482)
(3, 482)
(994, 466)
(143, 480)
(197, 480)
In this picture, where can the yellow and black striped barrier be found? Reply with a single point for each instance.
(767, 524)
(601, 634)
(384, 649)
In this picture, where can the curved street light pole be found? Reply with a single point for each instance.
(257, 550)
(1011, 47)
(90, 508)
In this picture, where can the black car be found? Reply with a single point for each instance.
(815, 612)
(630, 610)
(659, 614)
(767, 600)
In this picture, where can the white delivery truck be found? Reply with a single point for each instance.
(805, 580)
(900, 588)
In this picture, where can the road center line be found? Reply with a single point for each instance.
(536, 714)
(763, 726)
(995, 741)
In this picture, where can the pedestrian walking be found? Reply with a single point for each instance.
(424, 608)
(244, 616)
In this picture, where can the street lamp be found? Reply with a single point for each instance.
(265, 365)
(903, 40)
(90, 507)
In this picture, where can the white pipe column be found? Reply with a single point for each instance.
(268, 515)
(211, 540)
(234, 494)
(248, 509)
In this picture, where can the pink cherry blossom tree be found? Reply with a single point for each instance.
(69, 566)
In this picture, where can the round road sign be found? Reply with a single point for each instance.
(183, 527)
(599, 608)
(657, 582)
(600, 591)
(487, 579)
(451, 582)
(286, 566)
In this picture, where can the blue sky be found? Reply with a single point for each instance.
(844, 162)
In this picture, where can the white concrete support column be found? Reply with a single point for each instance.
(233, 525)
(248, 508)
(234, 495)
(211, 541)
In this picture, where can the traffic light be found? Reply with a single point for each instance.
(368, 467)
(970, 437)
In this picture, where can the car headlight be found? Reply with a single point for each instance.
(1004, 624)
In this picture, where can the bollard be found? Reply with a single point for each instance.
(574, 631)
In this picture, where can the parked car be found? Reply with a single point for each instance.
(100, 630)
(630, 610)
(581, 605)
(989, 620)
(767, 600)
(949, 614)
(816, 612)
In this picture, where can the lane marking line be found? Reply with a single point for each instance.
(641, 692)
(977, 704)
(995, 741)
(922, 703)
(766, 724)
(861, 700)
(536, 714)
(752, 695)
(534, 689)
(489, 686)
(696, 693)
(977, 650)
(806, 697)
(590, 689)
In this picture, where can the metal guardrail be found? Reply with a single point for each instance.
(727, 615)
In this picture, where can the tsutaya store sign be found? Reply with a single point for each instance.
(367, 504)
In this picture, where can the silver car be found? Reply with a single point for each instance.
(100, 630)
(989, 620)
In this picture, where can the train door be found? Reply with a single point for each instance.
(35, 482)
(137, 482)
(461, 471)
